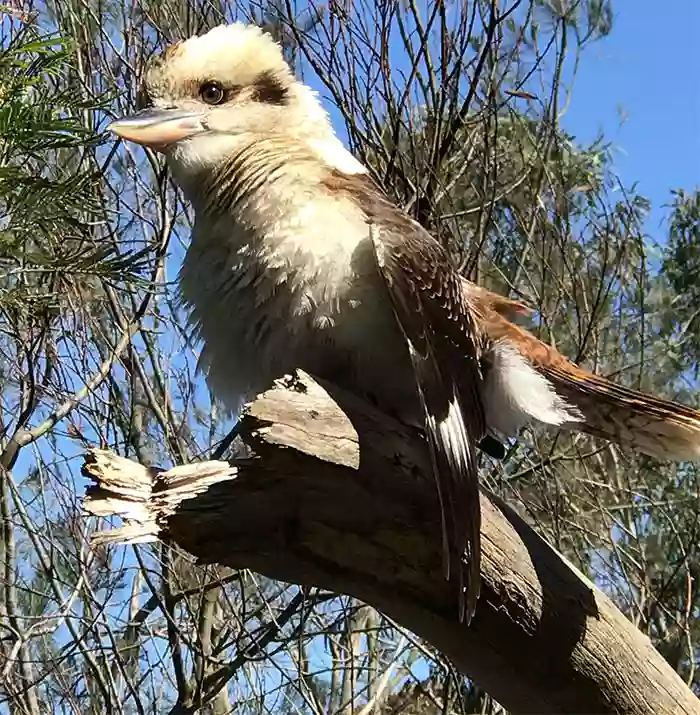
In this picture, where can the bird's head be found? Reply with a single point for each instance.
(206, 93)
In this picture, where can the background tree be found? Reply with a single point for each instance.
(456, 109)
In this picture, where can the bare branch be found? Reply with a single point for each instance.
(346, 503)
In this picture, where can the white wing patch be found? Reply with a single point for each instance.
(454, 436)
(515, 393)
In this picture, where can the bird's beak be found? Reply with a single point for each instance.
(158, 128)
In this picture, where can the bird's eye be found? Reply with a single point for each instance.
(212, 93)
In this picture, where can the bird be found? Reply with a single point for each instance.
(299, 260)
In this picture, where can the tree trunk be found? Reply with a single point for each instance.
(340, 496)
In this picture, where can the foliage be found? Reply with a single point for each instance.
(681, 268)
(456, 109)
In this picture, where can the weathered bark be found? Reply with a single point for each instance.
(351, 506)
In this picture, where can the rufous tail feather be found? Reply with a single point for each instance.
(655, 426)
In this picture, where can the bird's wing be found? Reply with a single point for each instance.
(444, 342)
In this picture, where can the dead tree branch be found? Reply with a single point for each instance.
(340, 496)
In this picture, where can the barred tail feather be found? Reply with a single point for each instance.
(655, 426)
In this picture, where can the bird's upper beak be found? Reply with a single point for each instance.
(158, 128)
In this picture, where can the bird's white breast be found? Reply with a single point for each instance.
(288, 280)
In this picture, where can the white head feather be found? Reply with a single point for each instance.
(265, 98)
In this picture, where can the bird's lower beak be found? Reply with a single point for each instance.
(158, 128)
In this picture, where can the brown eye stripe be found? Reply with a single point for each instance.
(268, 89)
(231, 92)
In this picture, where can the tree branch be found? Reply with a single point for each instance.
(340, 496)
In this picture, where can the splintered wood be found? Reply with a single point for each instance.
(143, 497)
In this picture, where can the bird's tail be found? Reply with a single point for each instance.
(655, 426)
(530, 380)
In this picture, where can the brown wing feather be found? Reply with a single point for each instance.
(444, 342)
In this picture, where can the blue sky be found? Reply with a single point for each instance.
(649, 66)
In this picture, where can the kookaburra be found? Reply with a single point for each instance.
(299, 260)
